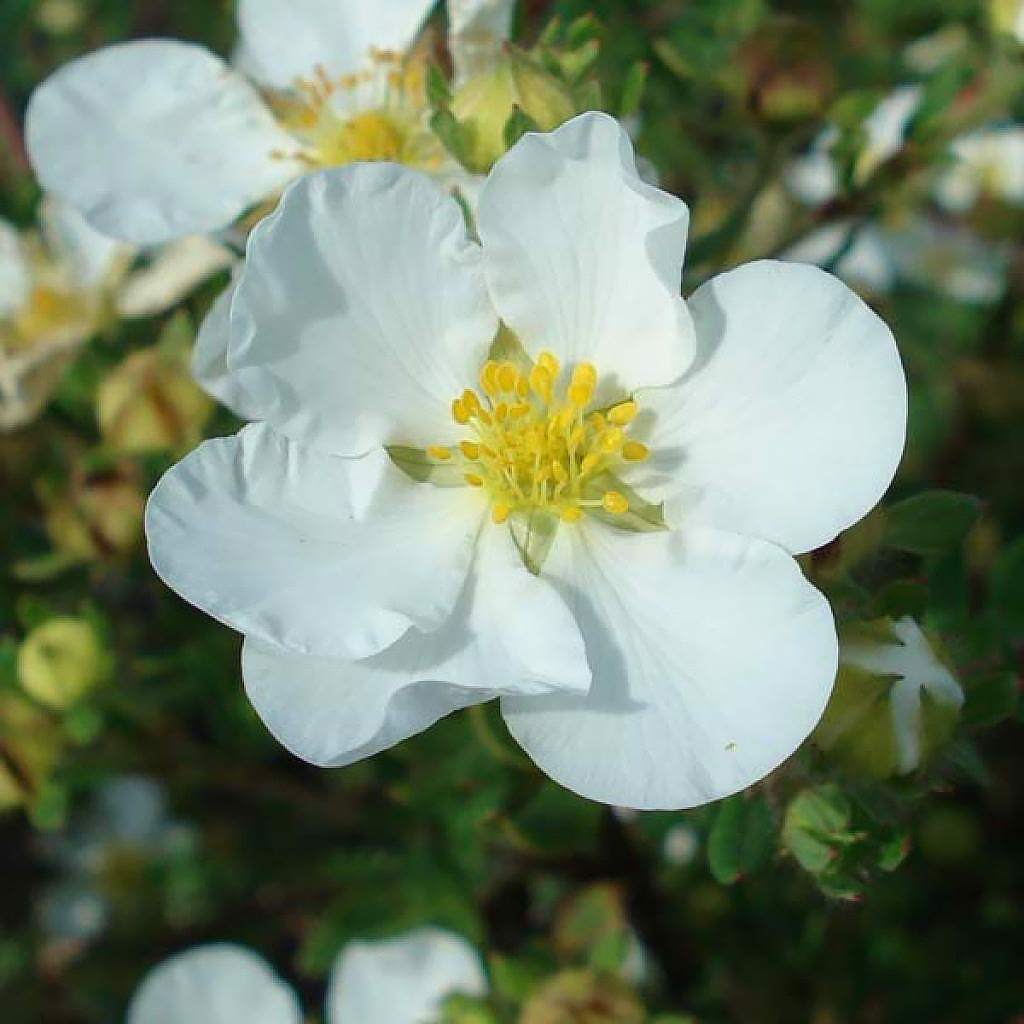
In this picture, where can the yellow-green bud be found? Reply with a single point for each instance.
(1007, 16)
(583, 997)
(60, 661)
(484, 104)
(30, 743)
(150, 403)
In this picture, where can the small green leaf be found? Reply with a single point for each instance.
(633, 89)
(533, 535)
(415, 463)
(991, 700)
(439, 94)
(816, 826)
(741, 838)
(1008, 589)
(518, 124)
(932, 523)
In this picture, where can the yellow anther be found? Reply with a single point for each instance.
(500, 514)
(507, 377)
(615, 503)
(610, 441)
(634, 451)
(577, 437)
(585, 375)
(484, 417)
(597, 422)
(541, 382)
(589, 464)
(501, 412)
(559, 472)
(440, 454)
(622, 413)
(580, 395)
(489, 378)
(519, 410)
(459, 412)
(570, 513)
(522, 387)
(473, 480)
(470, 449)
(471, 402)
(549, 363)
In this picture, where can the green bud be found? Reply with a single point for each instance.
(61, 661)
(30, 744)
(485, 104)
(583, 997)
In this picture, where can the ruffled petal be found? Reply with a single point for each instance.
(713, 659)
(310, 552)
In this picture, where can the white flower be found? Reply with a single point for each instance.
(155, 139)
(863, 260)
(58, 286)
(988, 163)
(637, 665)
(396, 981)
(916, 671)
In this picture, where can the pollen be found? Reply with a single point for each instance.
(537, 444)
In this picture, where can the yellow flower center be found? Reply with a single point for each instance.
(377, 115)
(47, 312)
(533, 445)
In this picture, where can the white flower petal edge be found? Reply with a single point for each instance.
(214, 984)
(311, 552)
(583, 258)
(510, 633)
(15, 278)
(92, 260)
(155, 139)
(281, 42)
(791, 422)
(916, 668)
(402, 980)
(361, 312)
(713, 658)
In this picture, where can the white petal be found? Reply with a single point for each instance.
(173, 272)
(814, 178)
(15, 277)
(989, 161)
(92, 260)
(510, 633)
(583, 258)
(215, 984)
(886, 128)
(315, 553)
(477, 30)
(916, 668)
(281, 42)
(362, 311)
(210, 357)
(713, 658)
(792, 420)
(402, 980)
(155, 139)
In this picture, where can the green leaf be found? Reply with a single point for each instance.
(899, 599)
(533, 535)
(1007, 596)
(816, 826)
(518, 124)
(415, 462)
(633, 89)
(932, 523)
(741, 838)
(991, 700)
(439, 94)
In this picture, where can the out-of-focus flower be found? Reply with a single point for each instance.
(60, 661)
(1007, 16)
(895, 700)
(434, 512)
(680, 845)
(60, 285)
(856, 253)
(125, 827)
(985, 164)
(30, 745)
(396, 981)
(585, 997)
(96, 515)
(190, 144)
(477, 32)
(150, 403)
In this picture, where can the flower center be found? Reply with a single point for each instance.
(377, 115)
(534, 446)
(48, 311)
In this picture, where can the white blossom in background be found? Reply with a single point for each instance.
(858, 254)
(61, 284)
(421, 521)
(988, 163)
(154, 139)
(477, 30)
(909, 659)
(395, 981)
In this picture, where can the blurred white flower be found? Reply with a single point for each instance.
(155, 139)
(988, 163)
(396, 981)
(856, 253)
(681, 845)
(431, 514)
(916, 673)
(58, 287)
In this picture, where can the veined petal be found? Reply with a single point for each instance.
(402, 980)
(311, 552)
(155, 139)
(171, 274)
(15, 278)
(281, 42)
(584, 259)
(713, 658)
(791, 422)
(362, 311)
(510, 633)
(91, 259)
(214, 984)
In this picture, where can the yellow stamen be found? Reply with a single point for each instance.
(634, 451)
(615, 503)
(440, 454)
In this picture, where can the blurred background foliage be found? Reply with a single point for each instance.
(145, 809)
